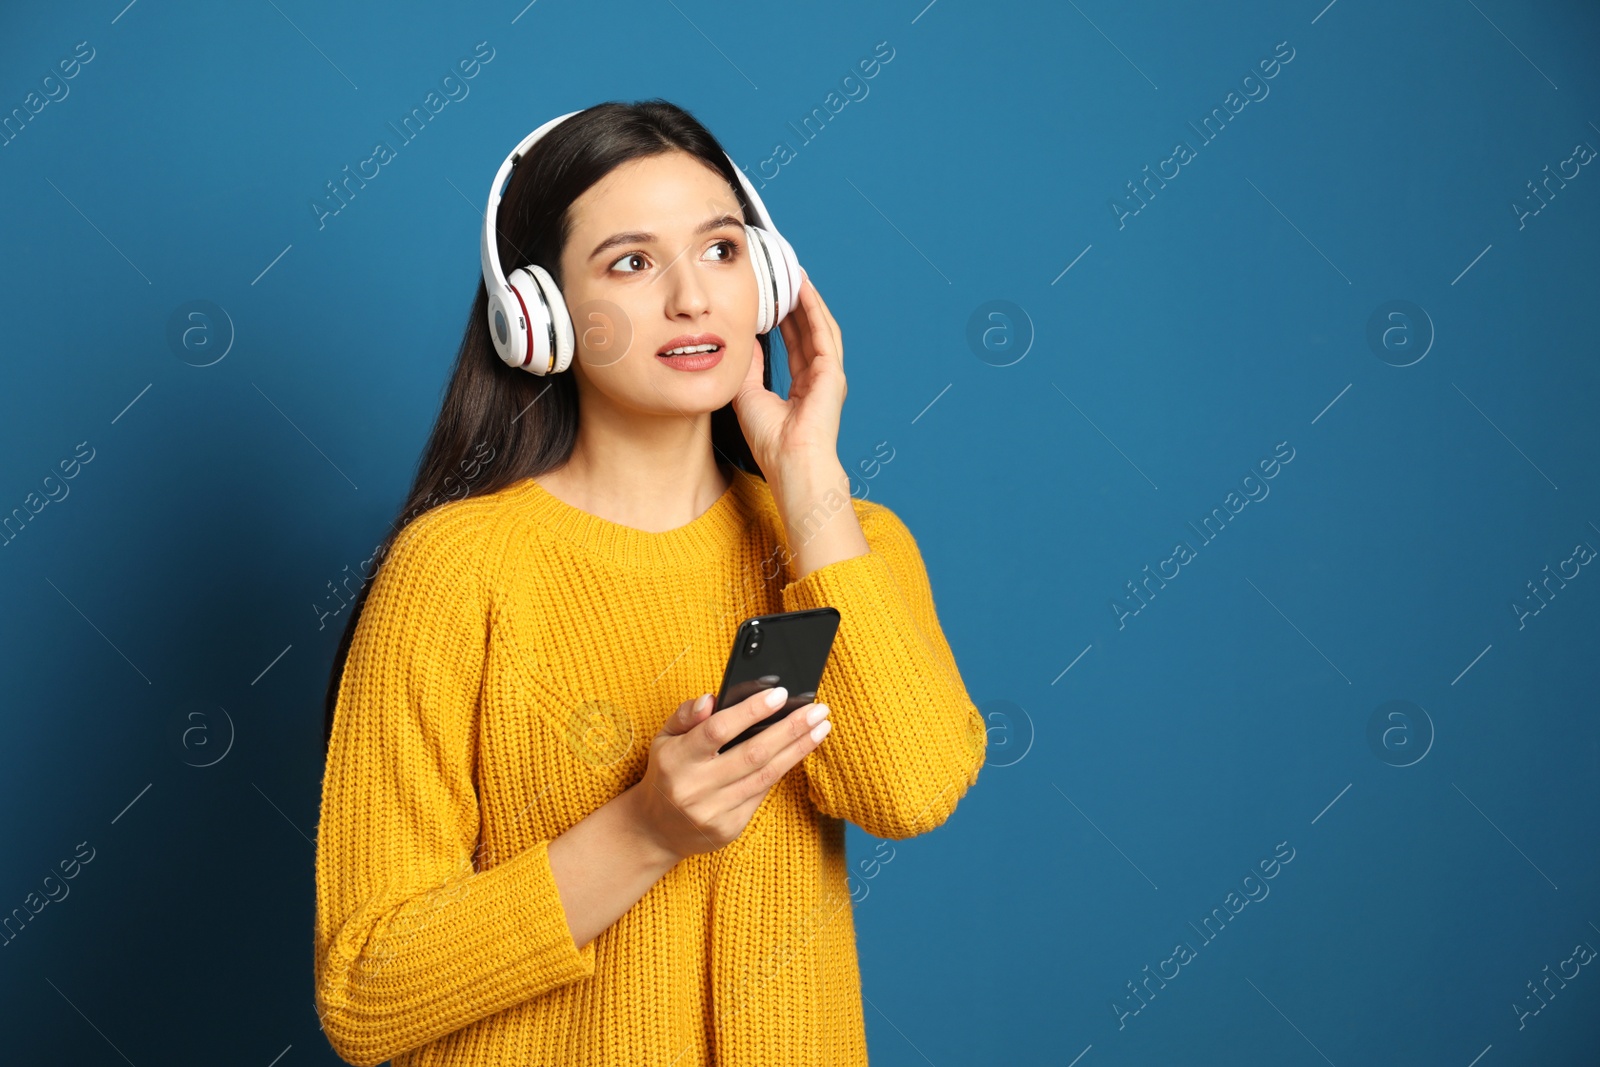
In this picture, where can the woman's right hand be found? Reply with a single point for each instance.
(692, 799)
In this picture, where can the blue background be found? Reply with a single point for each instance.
(1141, 765)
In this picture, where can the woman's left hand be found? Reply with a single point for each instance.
(804, 429)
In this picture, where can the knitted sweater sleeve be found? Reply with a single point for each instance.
(412, 940)
(907, 740)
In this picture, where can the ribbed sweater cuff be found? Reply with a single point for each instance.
(454, 955)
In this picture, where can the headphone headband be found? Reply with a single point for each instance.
(490, 252)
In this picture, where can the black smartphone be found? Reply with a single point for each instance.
(789, 649)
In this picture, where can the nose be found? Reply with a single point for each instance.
(686, 293)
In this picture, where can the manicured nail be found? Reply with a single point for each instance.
(777, 696)
(817, 714)
(822, 730)
(703, 703)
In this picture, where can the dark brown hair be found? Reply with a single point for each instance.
(502, 424)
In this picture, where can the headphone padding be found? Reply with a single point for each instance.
(556, 306)
(532, 345)
(787, 270)
(765, 271)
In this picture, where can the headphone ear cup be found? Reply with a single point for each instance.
(533, 352)
(766, 291)
(787, 271)
(566, 340)
(554, 346)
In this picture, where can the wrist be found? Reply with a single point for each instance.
(649, 843)
(816, 472)
(819, 518)
(803, 485)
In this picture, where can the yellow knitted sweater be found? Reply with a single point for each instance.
(514, 658)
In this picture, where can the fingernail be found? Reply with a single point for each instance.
(817, 714)
(703, 703)
(777, 696)
(822, 730)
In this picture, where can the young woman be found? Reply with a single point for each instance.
(530, 851)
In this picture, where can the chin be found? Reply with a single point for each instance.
(689, 392)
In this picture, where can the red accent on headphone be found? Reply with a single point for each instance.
(528, 327)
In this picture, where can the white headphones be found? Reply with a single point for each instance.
(528, 318)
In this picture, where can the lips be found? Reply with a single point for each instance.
(690, 340)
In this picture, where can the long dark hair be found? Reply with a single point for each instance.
(498, 425)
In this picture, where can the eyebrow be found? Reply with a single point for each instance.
(640, 237)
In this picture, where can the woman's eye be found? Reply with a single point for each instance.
(624, 259)
(731, 246)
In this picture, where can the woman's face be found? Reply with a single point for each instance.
(656, 255)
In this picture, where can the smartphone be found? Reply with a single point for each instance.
(789, 649)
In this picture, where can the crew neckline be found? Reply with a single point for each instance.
(711, 534)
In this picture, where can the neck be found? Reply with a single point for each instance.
(652, 474)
